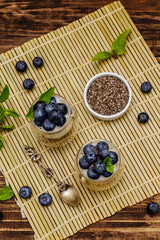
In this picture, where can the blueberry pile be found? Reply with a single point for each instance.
(50, 115)
(94, 157)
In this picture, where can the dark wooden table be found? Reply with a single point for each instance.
(21, 21)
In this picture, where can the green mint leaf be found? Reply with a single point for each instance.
(1, 143)
(11, 113)
(30, 113)
(110, 168)
(119, 44)
(2, 113)
(107, 159)
(6, 193)
(4, 94)
(8, 128)
(102, 56)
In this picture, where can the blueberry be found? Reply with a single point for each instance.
(146, 87)
(100, 167)
(50, 107)
(153, 208)
(143, 117)
(107, 174)
(91, 173)
(88, 148)
(25, 192)
(40, 114)
(61, 121)
(21, 66)
(83, 163)
(91, 157)
(1, 215)
(62, 108)
(103, 154)
(39, 104)
(28, 84)
(53, 100)
(48, 125)
(55, 116)
(102, 145)
(38, 62)
(45, 199)
(114, 157)
(38, 123)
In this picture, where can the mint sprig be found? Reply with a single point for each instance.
(117, 48)
(4, 94)
(109, 165)
(8, 128)
(1, 143)
(11, 113)
(6, 193)
(45, 97)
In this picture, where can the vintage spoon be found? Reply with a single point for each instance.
(68, 193)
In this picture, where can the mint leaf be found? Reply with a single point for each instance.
(102, 56)
(110, 168)
(107, 159)
(4, 94)
(2, 113)
(1, 143)
(11, 113)
(6, 193)
(118, 45)
(30, 113)
(8, 128)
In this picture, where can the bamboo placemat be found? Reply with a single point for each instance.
(67, 66)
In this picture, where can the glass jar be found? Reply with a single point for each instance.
(60, 136)
(102, 183)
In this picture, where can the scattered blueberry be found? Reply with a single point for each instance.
(55, 116)
(107, 174)
(100, 167)
(62, 108)
(88, 148)
(40, 114)
(103, 154)
(153, 208)
(38, 62)
(39, 104)
(25, 192)
(50, 107)
(114, 157)
(143, 117)
(91, 157)
(21, 66)
(1, 215)
(38, 123)
(83, 163)
(45, 199)
(48, 125)
(91, 173)
(53, 100)
(61, 121)
(28, 84)
(146, 87)
(102, 145)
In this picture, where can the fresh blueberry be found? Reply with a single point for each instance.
(100, 167)
(153, 208)
(28, 84)
(102, 145)
(53, 100)
(143, 117)
(91, 157)
(39, 104)
(107, 174)
(92, 174)
(103, 154)
(88, 148)
(25, 192)
(61, 121)
(114, 157)
(38, 123)
(83, 163)
(146, 87)
(48, 125)
(40, 114)
(21, 66)
(1, 215)
(55, 116)
(45, 199)
(50, 107)
(38, 62)
(62, 108)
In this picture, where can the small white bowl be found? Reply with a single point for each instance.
(107, 117)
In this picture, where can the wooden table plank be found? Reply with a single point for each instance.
(21, 21)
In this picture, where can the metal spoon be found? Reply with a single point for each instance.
(68, 193)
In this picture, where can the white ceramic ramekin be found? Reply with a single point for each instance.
(107, 117)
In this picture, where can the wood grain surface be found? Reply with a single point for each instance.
(21, 21)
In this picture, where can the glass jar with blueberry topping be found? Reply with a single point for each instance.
(54, 124)
(99, 165)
